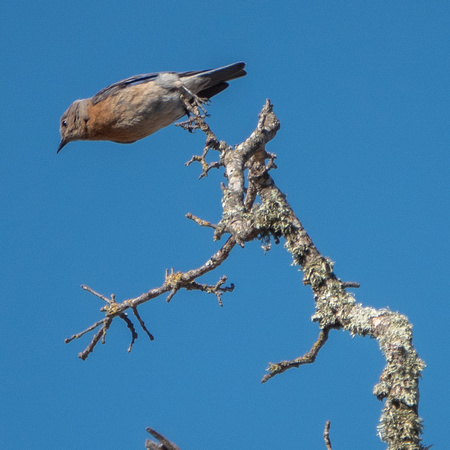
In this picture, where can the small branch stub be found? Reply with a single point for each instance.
(165, 444)
(326, 435)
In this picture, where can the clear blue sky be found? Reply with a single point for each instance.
(362, 92)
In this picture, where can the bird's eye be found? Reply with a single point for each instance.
(64, 123)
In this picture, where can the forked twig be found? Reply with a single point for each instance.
(174, 281)
(101, 334)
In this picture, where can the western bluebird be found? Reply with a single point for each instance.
(138, 106)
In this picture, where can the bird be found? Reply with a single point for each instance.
(138, 106)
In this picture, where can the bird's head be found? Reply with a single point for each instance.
(73, 124)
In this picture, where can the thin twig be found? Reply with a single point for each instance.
(198, 121)
(130, 326)
(78, 335)
(87, 288)
(173, 283)
(217, 289)
(307, 358)
(100, 334)
(201, 222)
(142, 324)
(350, 284)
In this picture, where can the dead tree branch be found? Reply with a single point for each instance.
(270, 220)
(174, 281)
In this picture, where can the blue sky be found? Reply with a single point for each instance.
(362, 92)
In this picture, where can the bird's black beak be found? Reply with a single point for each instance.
(61, 145)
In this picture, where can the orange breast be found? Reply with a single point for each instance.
(134, 113)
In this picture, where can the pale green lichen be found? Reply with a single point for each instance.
(400, 426)
(317, 270)
(273, 219)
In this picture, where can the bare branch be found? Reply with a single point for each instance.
(205, 166)
(82, 333)
(217, 289)
(307, 358)
(173, 283)
(99, 335)
(350, 284)
(236, 220)
(141, 323)
(201, 222)
(198, 122)
(107, 300)
(130, 326)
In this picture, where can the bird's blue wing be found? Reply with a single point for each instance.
(217, 80)
(122, 84)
